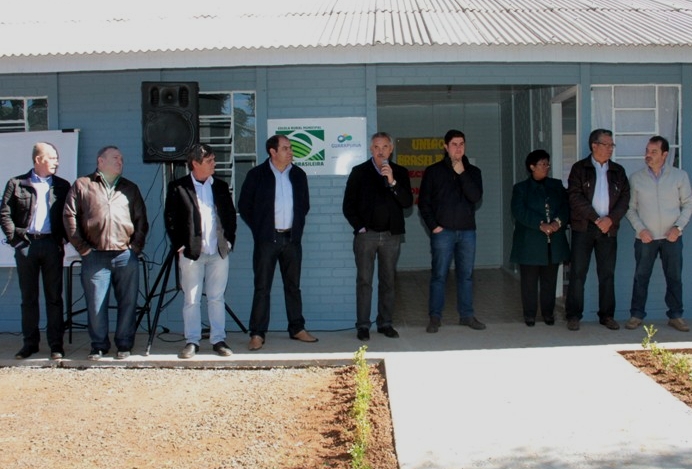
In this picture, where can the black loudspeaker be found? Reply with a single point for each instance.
(170, 120)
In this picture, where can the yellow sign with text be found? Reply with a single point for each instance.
(416, 154)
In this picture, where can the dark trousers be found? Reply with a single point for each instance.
(385, 247)
(42, 257)
(289, 255)
(533, 277)
(671, 260)
(605, 248)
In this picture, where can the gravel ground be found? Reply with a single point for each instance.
(174, 418)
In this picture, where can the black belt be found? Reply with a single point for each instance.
(283, 232)
(36, 236)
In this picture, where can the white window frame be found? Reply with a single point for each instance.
(21, 125)
(634, 161)
(226, 167)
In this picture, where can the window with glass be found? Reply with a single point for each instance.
(635, 113)
(227, 123)
(23, 114)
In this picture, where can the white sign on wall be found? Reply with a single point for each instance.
(324, 146)
(15, 153)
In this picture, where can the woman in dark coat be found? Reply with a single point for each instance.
(541, 210)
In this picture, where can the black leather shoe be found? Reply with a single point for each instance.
(26, 352)
(472, 322)
(530, 322)
(189, 350)
(221, 348)
(549, 321)
(433, 325)
(388, 331)
(363, 334)
(610, 323)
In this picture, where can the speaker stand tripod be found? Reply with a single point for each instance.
(162, 279)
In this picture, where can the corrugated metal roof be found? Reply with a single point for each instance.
(43, 28)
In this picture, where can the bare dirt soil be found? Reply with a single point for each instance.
(173, 418)
(678, 385)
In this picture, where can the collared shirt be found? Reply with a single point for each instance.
(283, 199)
(40, 222)
(653, 175)
(110, 186)
(207, 211)
(601, 197)
(379, 171)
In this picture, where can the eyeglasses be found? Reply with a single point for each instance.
(607, 145)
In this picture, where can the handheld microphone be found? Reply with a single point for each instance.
(386, 181)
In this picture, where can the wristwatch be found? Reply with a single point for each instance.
(393, 183)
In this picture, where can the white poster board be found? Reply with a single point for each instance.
(15, 155)
(324, 146)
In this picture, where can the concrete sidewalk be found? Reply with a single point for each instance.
(504, 398)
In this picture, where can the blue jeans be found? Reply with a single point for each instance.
(671, 260)
(100, 269)
(445, 245)
(289, 255)
(209, 272)
(367, 246)
(41, 258)
(605, 247)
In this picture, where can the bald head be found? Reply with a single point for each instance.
(45, 157)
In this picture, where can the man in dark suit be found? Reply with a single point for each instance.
(377, 192)
(201, 222)
(31, 218)
(274, 202)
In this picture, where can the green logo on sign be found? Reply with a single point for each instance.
(307, 145)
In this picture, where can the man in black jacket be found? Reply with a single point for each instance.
(449, 192)
(201, 222)
(274, 202)
(377, 192)
(599, 195)
(31, 218)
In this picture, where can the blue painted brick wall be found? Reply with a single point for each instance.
(106, 107)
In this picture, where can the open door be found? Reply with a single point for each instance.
(565, 150)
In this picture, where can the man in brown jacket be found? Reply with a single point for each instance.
(106, 221)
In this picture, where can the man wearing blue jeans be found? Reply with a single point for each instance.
(449, 192)
(377, 192)
(659, 209)
(201, 222)
(106, 221)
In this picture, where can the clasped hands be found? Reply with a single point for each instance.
(604, 224)
(549, 228)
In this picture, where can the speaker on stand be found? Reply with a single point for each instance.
(170, 120)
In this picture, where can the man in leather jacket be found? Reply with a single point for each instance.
(106, 221)
(31, 218)
(599, 195)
